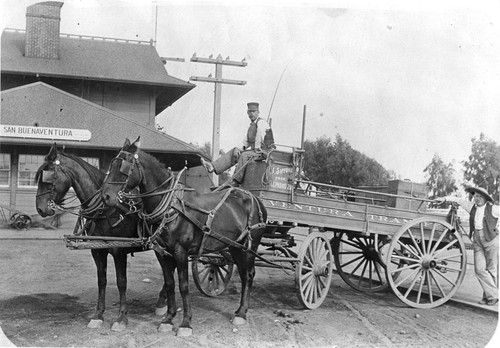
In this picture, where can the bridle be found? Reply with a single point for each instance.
(128, 162)
(93, 204)
(50, 177)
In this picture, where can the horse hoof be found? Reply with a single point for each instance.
(160, 311)
(184, 332)
(95, 323)
(118, 326)
(239, 321)
(165, 328)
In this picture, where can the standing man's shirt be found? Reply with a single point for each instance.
(479, 217)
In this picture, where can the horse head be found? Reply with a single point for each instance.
(53, 183)
(124, 174)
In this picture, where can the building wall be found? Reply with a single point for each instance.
(21, 198)
(135, 102)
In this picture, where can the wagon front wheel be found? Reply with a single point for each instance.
(432, 261)
(313, 273)
(212, 273)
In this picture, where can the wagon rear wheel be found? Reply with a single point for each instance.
(433, 258)
(313, 274)
(212, 273)
(359, 260)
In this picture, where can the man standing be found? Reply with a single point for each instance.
(484, 227)
(256, 144)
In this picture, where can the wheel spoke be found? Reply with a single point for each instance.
(404, 258)
(405, 268)
(363, 272)
(415, 243)
(401, 281)
(407, 247)
(446, 247)
(429, 286)
(308, 260)
(352, 261)
(420, 288)
(355, 245)
(322, 281)
(422, 238)
(437, 283)
(206, 273)
(350, 253)
(446, 278)
(431, 238)
(417, 275)
(307, 268)
(438, 242)
(378, 273)
(220, 274)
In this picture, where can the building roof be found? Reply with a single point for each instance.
(52, 107)
(93, 58)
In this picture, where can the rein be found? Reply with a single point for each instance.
(172, 204)
(90, 209)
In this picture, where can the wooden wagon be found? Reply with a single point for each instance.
(373, 240)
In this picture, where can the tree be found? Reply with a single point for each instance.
(441, 181)
(483, 166)
(339, 164)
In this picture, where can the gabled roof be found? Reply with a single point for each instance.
(47, 106)
(94, 59)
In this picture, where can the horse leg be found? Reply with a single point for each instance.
(120, 258)
(240, 258)
(181, 259)
(168, 267)
(161, 304)
(100, 257)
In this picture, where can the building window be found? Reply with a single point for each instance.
(4, 169)
(28, 165)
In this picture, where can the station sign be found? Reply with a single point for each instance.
(50, 133)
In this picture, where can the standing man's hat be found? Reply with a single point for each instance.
(253, 106)
(481, 191)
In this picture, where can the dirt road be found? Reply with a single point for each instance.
(47, 293)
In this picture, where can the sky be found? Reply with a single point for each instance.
(400, 83)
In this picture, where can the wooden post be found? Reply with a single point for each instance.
(303, 128)
(218, 81)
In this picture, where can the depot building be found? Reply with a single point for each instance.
(87, 95)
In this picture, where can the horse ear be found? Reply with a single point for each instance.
(52, 153)
(137, 142)
(126, 143)
(135, 145)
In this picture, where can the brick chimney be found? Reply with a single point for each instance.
(42, 30)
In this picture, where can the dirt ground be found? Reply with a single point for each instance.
(48, 292)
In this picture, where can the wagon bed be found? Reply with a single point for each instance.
(380, 240)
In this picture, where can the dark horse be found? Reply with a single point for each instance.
(55, 177)
(189, 224)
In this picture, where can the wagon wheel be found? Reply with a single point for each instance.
(212, 273)
(313, 274)
(21, 221)
(433, 258)
(360, 261)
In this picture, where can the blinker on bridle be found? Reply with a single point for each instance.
(126, 168)
(50, 177)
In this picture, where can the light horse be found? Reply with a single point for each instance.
(55, 177)
(189, 223)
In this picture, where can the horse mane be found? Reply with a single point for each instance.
(94, 173)
(153, 159)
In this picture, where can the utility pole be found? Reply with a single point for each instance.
(218, 81)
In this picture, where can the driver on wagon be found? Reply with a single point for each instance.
(256, 144)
